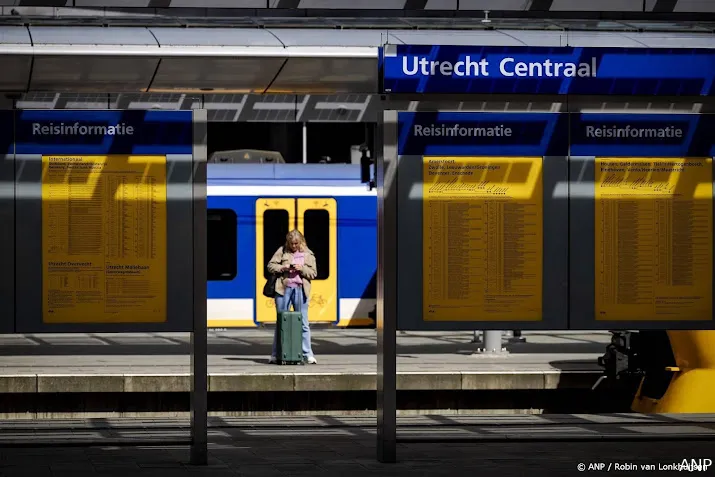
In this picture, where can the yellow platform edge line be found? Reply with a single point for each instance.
(248, 323)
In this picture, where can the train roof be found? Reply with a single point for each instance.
(285, 175)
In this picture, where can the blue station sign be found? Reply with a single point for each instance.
(413, 69)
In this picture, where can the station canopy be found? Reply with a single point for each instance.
(274, 55)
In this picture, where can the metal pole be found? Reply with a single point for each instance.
(475, 338)
(199, 339)
(492, 343)
(386, 171)
(305, 143)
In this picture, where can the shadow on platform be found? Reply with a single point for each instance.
(253, 344)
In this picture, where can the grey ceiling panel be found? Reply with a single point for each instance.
(537, 38)
(218, 3)
(600, 5)
(662, 27)
(440, 37)
(240, 75)
(674, 40)
(55, 3)
(14, 35)
(330, 38)
(15, 68)
(510, 5)
(601, 39)
(92, 73)
(171, 3)
(592, 25)
(507, 37)
(16, 72)
(214, 37)
(327, 75)
(700, 6)
(442, 23)
(115, 3)
(76, 35)
(441, 5)
(341, 4)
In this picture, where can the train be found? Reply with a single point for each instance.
(667, 371)
(251, 208)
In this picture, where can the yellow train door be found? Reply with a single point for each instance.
(274, 218)
(317, 219)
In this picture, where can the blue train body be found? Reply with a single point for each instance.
(252, 206)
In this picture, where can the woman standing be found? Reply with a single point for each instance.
(294, 265)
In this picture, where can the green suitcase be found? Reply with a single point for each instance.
(290, 334)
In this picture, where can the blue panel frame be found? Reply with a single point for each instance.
(521, 134)
(65, 132)
(689, 135)
(153, 132)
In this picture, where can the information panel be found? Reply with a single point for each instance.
(482, 238)
(651, 221)
(653, 239)
(435, 69)
(475, 201)
(104, 238)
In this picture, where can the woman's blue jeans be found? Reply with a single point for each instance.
(294, 296)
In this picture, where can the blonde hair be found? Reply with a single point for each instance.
(296, 235)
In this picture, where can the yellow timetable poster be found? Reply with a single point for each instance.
(653, 239)
(482, 238)
(104, 239)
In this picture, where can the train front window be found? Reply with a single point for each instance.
(275, 229)
(317, 234)
(222, 241)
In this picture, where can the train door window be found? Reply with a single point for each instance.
(222, 241)
(275, 229)
(317, 235)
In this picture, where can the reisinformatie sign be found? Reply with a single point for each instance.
(477, 222)
(101, 193)
(641, 221)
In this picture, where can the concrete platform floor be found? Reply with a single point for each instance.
(149, 362)
(506, 446)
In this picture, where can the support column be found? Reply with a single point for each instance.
(199, 339)
(386, 169)
(492, 343)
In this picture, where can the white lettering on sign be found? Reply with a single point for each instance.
(77, 129)
(632, 132)
(457, 130)
(508, 67)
